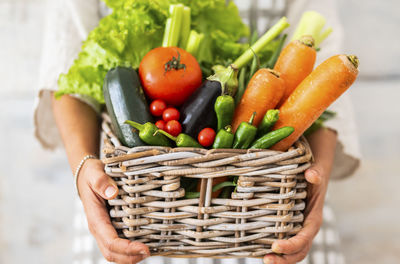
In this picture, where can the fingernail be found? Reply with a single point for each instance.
(144, 253)
(314, 175)
(269, 261)
(313, 172)
(110, 191)
(276, 248)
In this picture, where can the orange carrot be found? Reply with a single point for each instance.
(263, 92)
(314, 94)
(295, 63)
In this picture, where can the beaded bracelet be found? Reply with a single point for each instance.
(78, 169)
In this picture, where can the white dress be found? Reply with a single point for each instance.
(68, 23)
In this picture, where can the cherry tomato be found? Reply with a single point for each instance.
(170, 74)
(157, 107)
(171, 114)
(206, 137)
(173, 127)
(160, 124)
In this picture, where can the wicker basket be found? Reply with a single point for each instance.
(151, 207)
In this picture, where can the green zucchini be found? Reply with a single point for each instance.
(125, 100)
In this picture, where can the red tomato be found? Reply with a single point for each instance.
(206, 137)
(171, 114)
(173, 127)
(160, 124)
(157, 107)
(170, 74)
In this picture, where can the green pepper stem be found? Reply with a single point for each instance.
(228, 128)
(261, 42)
(252, 118)
(273, 115)
(165, 134)
(136, 125)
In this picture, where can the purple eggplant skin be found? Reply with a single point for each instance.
(198, 112)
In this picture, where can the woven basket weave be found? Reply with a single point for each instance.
(151, 207)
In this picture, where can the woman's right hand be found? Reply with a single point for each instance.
(95, 186)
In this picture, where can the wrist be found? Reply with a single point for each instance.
(80, 167)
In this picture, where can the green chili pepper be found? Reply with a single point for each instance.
(182, 140)
(224, 107)
(273, 137)
(226, 192)
(224, 138)
(269, 120)
(146, 133)
(245, 134)
(192, 195)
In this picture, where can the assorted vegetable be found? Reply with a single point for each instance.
(182, 140)
(314, 94)
(125, 100)
(170, 74)
(206, 89)
(224, 138)
(224, 108)
(136, 26)
(206, 137)
(173, 127)
(268, 121)
(273, 137)
(147, 134)
(157, 107)
(196, 112)
(245, 134)
(295, 63)
(263, 92)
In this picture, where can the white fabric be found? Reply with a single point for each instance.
(68, 22)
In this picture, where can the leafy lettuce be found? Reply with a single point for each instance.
(136, 26)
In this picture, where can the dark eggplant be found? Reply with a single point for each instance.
(198, 111)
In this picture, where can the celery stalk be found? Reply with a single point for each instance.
(194, 42)
(173, 27)
(191, 43)
(312, 23)
(166, 32)
(185, 27)
(323, 36)
(272, 33)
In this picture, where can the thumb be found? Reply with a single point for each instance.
(104, 186)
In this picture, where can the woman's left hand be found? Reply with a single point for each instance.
(295, 249)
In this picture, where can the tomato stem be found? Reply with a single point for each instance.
(174, 63)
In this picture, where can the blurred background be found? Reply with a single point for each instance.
(36, 189)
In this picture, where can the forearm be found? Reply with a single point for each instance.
(323, 146)
(79, 128)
